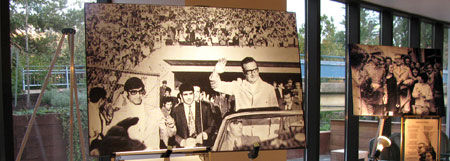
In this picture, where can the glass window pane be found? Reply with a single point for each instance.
(401, 31)
(332, 68)
(370, 30)
(35, 31)
(369, 27)
(426, 35)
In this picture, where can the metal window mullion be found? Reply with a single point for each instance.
(6, 119)
(414, 32)
(351, 122)
(312, 72)
(438, 43)
(438, 36)
(387, 23)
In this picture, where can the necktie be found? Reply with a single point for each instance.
(191, 123)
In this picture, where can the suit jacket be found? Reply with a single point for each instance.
(278, 94)
(179, 116)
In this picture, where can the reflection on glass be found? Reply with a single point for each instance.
(446, 46)
(426, 35)
(445, 60)
(369, 27)
(332, 47)
(332, 23)
(401, 31)
(332, 74)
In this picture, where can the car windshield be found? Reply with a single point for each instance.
(272, 132)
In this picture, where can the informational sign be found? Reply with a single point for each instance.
(162, 76)
(421, 138)
(396, 81)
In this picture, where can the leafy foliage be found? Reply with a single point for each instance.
(370, 27)
(301, 38)
(46, 19)
(327, 116)
(401, 31)
(426, 35)
(333, 41)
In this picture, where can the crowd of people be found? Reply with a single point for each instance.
(286, 93)
(190, 119)
(121, 36)
(286, 90)
(400, 85)
(108, 79)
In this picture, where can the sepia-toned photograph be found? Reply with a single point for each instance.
(421, 139)
(396, 81)
(161, 76)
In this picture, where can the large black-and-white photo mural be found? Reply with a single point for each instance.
(162, 76)
(396, 81)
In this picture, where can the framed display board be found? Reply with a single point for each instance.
(200, 76)
(396, 81)
(421, 138)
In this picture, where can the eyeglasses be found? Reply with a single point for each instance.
(236, 121)
(247, 72)
(134, 92)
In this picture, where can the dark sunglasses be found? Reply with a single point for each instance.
(134, 92)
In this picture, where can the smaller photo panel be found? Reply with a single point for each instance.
(395, 81)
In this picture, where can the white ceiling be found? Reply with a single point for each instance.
(435, 9)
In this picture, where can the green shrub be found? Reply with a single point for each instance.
(61, 99)
(59, 102)
(326, 116)
(48, 96)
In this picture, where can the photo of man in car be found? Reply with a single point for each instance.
(235, 139)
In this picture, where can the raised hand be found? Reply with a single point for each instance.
(191, 142)
(220, 66)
